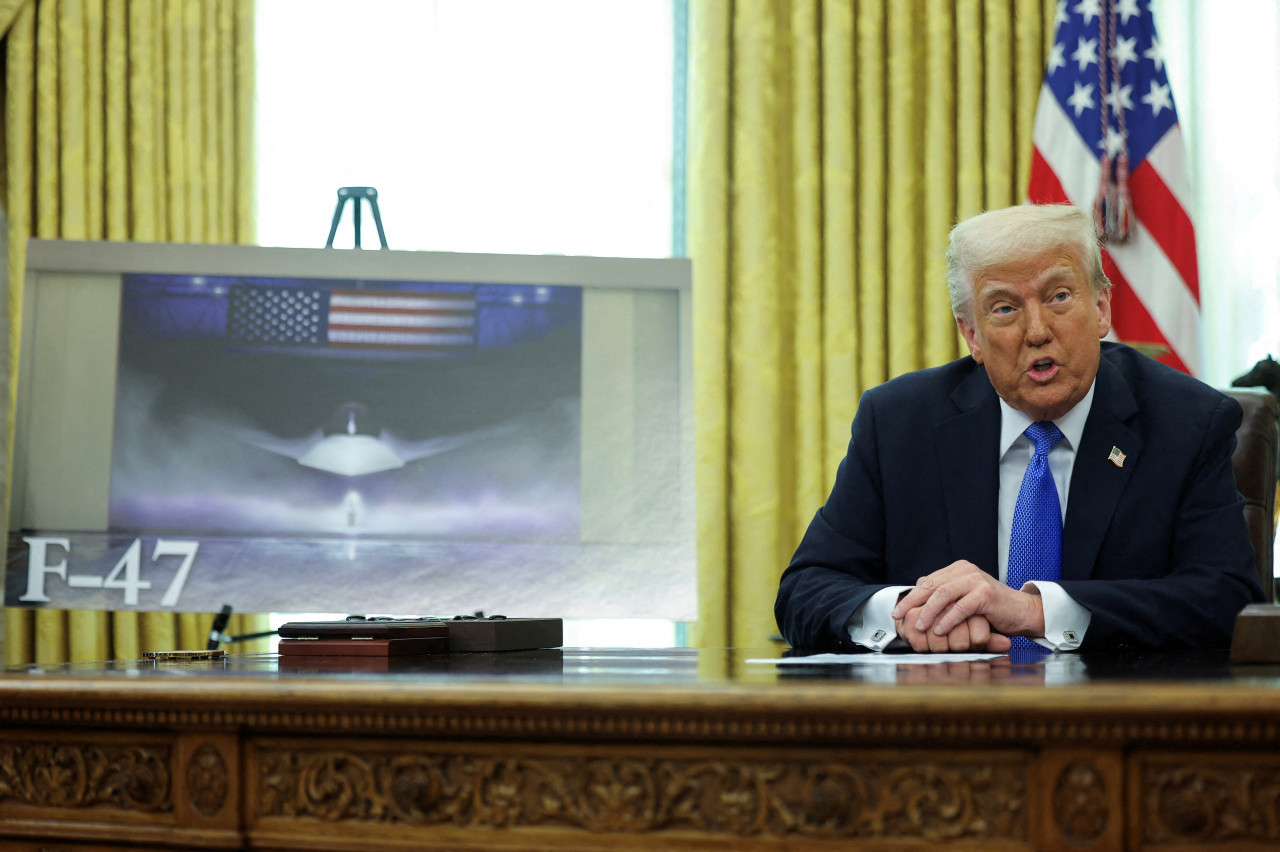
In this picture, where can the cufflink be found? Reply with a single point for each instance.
(1070, 636)
(878, 635)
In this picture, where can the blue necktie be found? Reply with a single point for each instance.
(1035, 539)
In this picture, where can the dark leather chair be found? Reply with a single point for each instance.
(1254, 464)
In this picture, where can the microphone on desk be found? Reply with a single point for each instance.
(218, 635)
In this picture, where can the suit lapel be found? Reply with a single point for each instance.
(967, 446)
(1096, 482)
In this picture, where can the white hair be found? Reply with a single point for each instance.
(999, 237)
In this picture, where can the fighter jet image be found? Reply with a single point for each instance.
(353, 444)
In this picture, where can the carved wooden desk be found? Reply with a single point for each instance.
(642, 750)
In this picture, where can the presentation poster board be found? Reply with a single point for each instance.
(295, 430)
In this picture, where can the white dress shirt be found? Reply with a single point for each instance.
(1065, 621)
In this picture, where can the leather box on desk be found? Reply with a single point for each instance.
(363, 647)
(1257, 635)
(362, 629)
(363, 638)
(505, 634)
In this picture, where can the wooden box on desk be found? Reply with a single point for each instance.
(1257, 635)
(363, 647)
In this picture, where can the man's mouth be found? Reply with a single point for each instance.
(1043, 369)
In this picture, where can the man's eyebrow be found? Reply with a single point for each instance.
(1059, 272)
(993, 290)
(1051, 277)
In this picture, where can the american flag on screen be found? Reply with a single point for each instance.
(1106, 139)
(389, 320)
(350, 319)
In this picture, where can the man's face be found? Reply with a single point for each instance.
(1035, 324)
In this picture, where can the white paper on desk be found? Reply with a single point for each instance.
(876, 659)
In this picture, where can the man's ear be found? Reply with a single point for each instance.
(1104, 313)
(970, 339)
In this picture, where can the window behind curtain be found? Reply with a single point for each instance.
(1224, 65)
(486, 125)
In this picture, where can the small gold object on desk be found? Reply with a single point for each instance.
(1257, 635)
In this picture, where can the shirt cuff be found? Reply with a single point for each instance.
(871, 624)
(1065, 621)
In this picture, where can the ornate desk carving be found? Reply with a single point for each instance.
(257, 759)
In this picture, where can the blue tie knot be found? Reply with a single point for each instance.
(1045, 435)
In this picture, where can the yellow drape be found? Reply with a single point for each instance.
(123, 120)
(833, 145)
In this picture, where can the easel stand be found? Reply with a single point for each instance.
(355, 194)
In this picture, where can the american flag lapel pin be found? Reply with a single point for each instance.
(1116, 457)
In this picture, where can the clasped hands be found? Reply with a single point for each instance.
(963, 608)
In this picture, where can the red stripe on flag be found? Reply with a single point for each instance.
(405, 296)
(1044, 186)
(1166, 221)
(1132, 324)
(443, 347)
(398, 329)
(423, 312)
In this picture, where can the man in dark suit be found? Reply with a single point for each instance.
(928, 516)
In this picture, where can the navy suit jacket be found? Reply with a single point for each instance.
(1156, 548)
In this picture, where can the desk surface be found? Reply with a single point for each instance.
(579, 749)
(688, 668)
(701, 694)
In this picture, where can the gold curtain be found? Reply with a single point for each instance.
(123, 120)
(833, 145)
